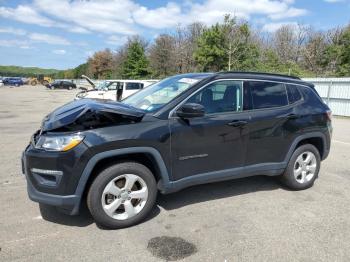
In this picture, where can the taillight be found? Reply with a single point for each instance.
(329, 115)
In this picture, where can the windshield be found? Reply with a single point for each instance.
(161, 93)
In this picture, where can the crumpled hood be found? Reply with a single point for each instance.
(90, 113)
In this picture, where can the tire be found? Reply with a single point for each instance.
(45, 83)
(302, 171)
(70, 88)
(113, 179)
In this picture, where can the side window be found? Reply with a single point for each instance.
(222, 96)
(133, 86)
(293, 93)
(112, 86)
(267, 94)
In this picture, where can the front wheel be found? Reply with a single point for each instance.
(122, 195)
(303, 168)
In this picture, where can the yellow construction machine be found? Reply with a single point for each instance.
(40, 79)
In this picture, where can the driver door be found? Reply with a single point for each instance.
(215, 142)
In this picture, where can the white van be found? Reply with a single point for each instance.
(114, 89)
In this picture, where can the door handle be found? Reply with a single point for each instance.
(237, 123)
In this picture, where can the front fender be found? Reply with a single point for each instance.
(119, 152)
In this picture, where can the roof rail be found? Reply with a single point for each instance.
(260, 73)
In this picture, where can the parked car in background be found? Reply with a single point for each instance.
(13, 81)
(115, 90)
(1, 82)
(62, 84)
(185, 130)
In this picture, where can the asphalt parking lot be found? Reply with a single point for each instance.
(252, 219)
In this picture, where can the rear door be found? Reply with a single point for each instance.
(269, 129)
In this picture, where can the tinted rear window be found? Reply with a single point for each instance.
(267, 94)
(293, 93)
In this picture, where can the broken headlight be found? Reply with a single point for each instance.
(59, 143)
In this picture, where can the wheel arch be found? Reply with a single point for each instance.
(317, 139)
(137, 154)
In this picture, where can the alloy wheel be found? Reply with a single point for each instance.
(124, 196)
(305, 167)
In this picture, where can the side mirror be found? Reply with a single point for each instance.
(190, 110)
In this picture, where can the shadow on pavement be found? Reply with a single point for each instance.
(188, 196)
(208, 192)
(51, 214)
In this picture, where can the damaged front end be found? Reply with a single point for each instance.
(88, 114)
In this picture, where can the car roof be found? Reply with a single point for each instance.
(261, 76)
(196, 75)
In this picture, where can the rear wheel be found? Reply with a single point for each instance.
(303, 168)
(122, 195)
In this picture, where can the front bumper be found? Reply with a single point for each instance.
(52, 177)
(67, 204)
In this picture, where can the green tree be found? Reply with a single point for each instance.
(227, 46)
(210, 54)
(136, 63)
(80, 70)
(337, 54)
(243, 53)
(344, 50)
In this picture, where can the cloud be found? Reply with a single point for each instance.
(334, 1)
(59, 51)
(162, 17)
(48, 39)
(23, 44)
(272, 27)
(29, 15)
(11, 30)
(116, 40)
(25, 14)
(291, 12)
(212, 11)
(127, 17)
(109, 17)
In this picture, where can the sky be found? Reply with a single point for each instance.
(62, 34)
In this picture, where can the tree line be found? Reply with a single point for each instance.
(26, 71)
(231, 45)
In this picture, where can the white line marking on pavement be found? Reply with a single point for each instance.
(345, 143)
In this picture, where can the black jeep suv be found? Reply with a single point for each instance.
(185, 130)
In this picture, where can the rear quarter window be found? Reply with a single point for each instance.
(293, 94)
